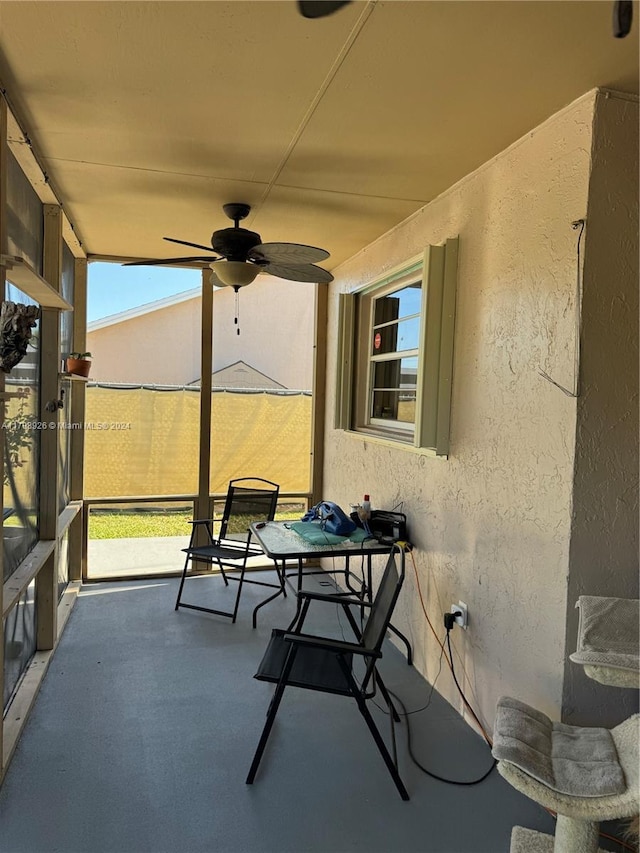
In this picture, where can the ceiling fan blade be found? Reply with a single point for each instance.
(287, 253)
(320, 8)
(299, 272)
(622, 18)
(160, 261)
(185, 243)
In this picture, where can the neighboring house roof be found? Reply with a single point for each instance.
(147, 308)
(240, 375)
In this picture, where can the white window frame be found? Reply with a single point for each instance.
(437, 268)
(407, 277)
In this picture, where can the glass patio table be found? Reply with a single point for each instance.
(284, 545)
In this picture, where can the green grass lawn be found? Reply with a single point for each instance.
(131, 525)
(120, 525)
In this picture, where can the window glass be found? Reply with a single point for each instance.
(25, 228)
(64, 450)
(398, 304)
(66, 346)
(67, 289)
(21, 439)
(392, 380)
(19, 641)
(394, 390)
(396, 337)
(21, 431)
(63, 564)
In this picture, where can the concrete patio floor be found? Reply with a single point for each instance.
(142, 735)
(147, 556)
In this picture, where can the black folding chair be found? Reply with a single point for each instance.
(295, 659)
(248, 499)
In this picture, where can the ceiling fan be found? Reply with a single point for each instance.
(622, 12)
(320, 8)
(240, 255)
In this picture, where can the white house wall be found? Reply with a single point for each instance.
(162, 346)
(491, 524)
(276, 329)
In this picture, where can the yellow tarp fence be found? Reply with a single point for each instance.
(145, 442)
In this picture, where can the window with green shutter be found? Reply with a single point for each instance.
(395, 357)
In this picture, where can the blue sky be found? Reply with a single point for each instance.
(113, 288)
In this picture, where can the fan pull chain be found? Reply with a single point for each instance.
(236, 319)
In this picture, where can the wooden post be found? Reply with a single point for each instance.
(203, 502)
(319, 392)
(77, 546)
(47, 579)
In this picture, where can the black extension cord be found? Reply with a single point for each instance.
(406, 716)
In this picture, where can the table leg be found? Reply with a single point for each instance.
(298, 599)
(347, 574)
(281, 591)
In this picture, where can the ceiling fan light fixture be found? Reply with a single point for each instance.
(234, 273)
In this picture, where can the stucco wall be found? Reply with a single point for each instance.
(491, 524)
(604, 538)
(162, 347)
(276, 329)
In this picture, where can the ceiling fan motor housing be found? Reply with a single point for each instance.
(234, 243)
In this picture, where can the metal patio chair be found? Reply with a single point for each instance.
(248, 499)
(295, 659)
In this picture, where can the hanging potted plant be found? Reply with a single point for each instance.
(79, 363)
(16, 322)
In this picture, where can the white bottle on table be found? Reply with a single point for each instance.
(364, 511)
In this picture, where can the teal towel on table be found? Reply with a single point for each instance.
(312, 532)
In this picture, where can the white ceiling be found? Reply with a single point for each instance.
(148, 116)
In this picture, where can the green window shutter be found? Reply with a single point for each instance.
(427, 412)
(345, 362)
(447, 327)
(439, 302)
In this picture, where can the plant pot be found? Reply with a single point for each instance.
(79, 366)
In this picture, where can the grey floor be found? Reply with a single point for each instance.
(145, 726)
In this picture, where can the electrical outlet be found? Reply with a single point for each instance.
(463, 618)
